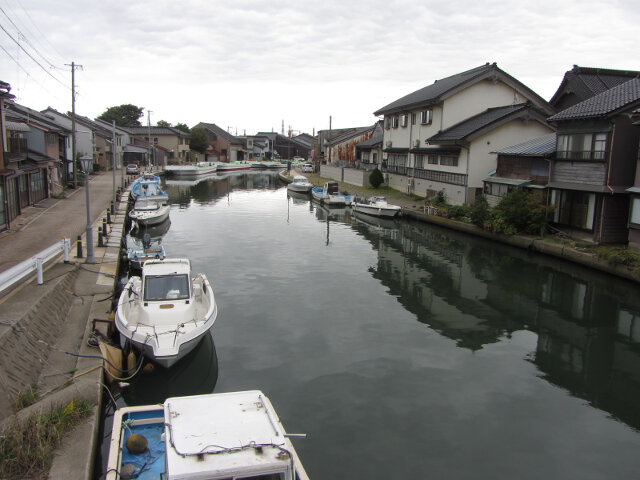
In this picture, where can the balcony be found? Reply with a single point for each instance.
(17, 145)
(582, 155)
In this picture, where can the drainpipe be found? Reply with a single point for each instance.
(613, 134)
(466, 187)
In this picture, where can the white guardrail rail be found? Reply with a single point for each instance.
(16, 273)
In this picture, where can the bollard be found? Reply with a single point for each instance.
(100, 237)
(65, 249)
(79, 247)
(113, 208)
(104, 227)
(39, 271)
(109, 216)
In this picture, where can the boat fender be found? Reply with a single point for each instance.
(128, 471)
(137, 444)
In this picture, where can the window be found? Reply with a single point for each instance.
(635, 210)
(426, 116)
(433, 160)
(413, 119)
(163, 287)
(394, 121)
(51, 139)
(387, 123)
(582, 146)
(403, 120)
(365, 157)
(419, 161)
(448, 160)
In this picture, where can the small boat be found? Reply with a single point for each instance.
(148, 186)
(376, 206)
(149, 211)
(191, 170)
(138, 254)
(231, 166)
(300, 184)
(330, 195)
(212, 436)
(166, 311)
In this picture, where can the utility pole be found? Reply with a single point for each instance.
(113, 156)
(73, 122)
(149, 130)
(329, 139)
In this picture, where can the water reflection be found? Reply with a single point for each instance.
(588, 327)
(196, 373)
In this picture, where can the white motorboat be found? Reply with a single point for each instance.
(232, 166)
(300, 184)
(166, 312)
(191, 170)
(330, 195)
(376, 206)
(148, 186)
(149, 212)
(214, 436)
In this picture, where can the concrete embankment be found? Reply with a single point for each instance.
(412, 210)
(43, 334)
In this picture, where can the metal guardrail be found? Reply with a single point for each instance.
(16, 273)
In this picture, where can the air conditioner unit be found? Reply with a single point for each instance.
(389, 143)
(416, 143)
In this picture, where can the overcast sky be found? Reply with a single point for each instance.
(250, 65)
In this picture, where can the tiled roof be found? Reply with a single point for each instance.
(626, 95)
(156, 131)
(540, 146)
(31, 115)
(375, 139)
(434, 93)
(477, 122)
(350, 134)
(585, 82)
(212, 127)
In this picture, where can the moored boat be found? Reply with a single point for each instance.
(191, 170)
(214, 436)
(330, 195)
(148, 186)
(149, 212)
(300, 184)
(231, 166)
(138, 254)
(376, 206)
(166, 311)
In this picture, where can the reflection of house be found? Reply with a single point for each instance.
(171, 140)
(223, 146)
(595, 163)
(521, 166)
(440, 138)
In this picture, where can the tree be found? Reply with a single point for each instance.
(125, 115)
(199, 140)
(376, 178)
(163, 123)
(183, 127)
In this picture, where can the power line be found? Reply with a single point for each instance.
(31, 57)
(25, 71)
(40, 31)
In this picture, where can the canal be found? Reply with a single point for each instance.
(404, 350)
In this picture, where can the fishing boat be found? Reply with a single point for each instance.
(330, 195)
(191, 170)
(300, 184)
(232, 166)
(147, 250)
(376, 206)
(215, 436)
(148, 186)
(166, 311)
(148, 211)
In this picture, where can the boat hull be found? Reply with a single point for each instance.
(388, 211)
(191, 170)
(299, 188)
(150, 218)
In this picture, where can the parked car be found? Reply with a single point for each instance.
(307, 168)
(132, 169)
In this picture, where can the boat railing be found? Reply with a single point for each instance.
(15, 274)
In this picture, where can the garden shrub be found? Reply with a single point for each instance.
(376, 178)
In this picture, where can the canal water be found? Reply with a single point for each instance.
(404, 350)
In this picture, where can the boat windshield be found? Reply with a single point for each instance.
(166, 287)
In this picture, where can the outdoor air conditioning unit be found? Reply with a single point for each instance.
(416, 143)
(389, 143)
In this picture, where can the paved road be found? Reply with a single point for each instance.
(43, 225)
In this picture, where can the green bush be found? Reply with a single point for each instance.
(520, 211)
(458, 212)
(480, 212)
(440, 198)
(376, 178)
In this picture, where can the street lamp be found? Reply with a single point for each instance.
(87, 165)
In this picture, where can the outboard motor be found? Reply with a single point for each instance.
(146, 241)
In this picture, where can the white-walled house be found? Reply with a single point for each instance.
(440, 138)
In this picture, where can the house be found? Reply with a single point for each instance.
(440, 138)
(341, 149)
(324, 140)
(172, 140)
(595, 165)
(369, 152)
(223, 146)
(581, 83)
(525, 165)
(281, 146)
